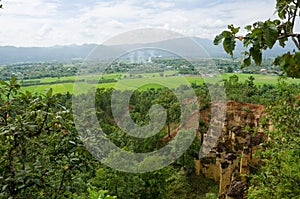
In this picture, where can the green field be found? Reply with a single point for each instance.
(142, 81)
(260, 79)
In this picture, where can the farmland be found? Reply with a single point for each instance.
(142, 81)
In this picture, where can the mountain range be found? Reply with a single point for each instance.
(12, 54)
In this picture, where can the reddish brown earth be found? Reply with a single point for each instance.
(241, 137)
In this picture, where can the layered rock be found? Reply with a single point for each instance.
(228, 159)
(229, 140)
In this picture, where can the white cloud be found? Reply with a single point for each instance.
(45, 23)
(32, 8)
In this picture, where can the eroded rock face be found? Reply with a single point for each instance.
(229, 142)
(230, 158)
(236, 189)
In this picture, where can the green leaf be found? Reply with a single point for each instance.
(229, 45)
(270, 34)
(3, 83)
(13, 80)
(256, 32)
(277, 60)
(49, 92)
(247, 61)
(281, 7)
(297, 57)
(282, 41)
(276, 22)
(4, 132)
(218, 39)
(248, 27)
(4, 187)
(233, 29)
(247, 40)
(289, 64)
(256, 55)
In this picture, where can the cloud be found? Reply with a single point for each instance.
(32, 8)
(46, 23)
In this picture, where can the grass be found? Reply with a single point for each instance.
(260, 79)
(150, 80)
(86, 77)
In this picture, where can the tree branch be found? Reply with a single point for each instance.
(11, 156)
(39, 131)
(294, 16)
(61, 183)
(289, 35)
(293, 36)
(296, 43)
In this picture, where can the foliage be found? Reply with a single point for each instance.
(43, 157)
(211, 196)
(29, 71)
(149, 185)
(279, 177)
(94, 194)
(41, 154)
(191, 186)
(263, 35)
(168, 100)
(130, 185)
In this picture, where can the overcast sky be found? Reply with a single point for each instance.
(63, 22)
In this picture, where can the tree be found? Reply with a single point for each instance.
(263, 35)
(279, 177)
(169, 101)
(134, 185)
(101, 194)
(41, 153)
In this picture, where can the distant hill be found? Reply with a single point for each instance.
(11, 54)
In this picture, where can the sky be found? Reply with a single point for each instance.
(65, 22)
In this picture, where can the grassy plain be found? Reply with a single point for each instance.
(142, 81)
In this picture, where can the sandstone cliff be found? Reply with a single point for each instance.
(231, 155)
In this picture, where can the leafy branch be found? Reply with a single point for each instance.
(263, 35)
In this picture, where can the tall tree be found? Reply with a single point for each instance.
(169, 101)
